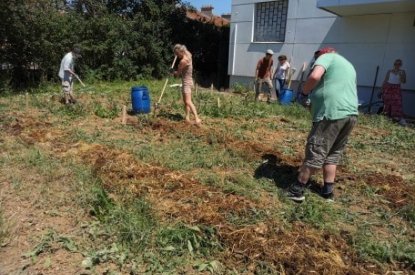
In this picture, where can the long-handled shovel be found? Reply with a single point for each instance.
(157, 105)
(300, 85)
(79, 79)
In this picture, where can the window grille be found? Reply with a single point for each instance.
(270, 21)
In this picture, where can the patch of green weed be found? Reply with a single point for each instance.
(385, 251)
(186, 155)
(44, 163)
(132, 221)
(249, 217)
(239, 88)
(114, 253)
(316, 212)
(183, 239)
(241, 184)
(103, 111)
(46, 243)
(71, 111)
(408, 213)
(78, 134)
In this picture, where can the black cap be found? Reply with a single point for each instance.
(77, 51)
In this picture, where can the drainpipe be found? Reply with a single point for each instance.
(234, 49)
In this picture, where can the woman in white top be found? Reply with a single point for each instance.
(281, 73)
(391, 92)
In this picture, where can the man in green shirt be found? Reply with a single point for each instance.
(334, 111)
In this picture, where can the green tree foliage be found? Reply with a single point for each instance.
(33, 36)
(120, 39)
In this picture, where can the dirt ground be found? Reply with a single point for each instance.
(45, 220)
(30, 217)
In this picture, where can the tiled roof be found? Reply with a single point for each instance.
(215, 20)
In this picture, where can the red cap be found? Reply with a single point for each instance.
(325, 50)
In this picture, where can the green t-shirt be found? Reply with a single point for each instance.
(335, 96)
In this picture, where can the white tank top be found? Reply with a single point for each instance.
(394, 78)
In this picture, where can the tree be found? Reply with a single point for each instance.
(31, 39)
(120, 39)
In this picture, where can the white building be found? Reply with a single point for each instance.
(369, 33)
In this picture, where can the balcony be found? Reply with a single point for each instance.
(366, 7)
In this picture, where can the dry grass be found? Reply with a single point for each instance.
(205, 177)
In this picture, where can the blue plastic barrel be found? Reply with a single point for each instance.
(286, 96)
(140, 99)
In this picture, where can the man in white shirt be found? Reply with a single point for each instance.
(66, 73)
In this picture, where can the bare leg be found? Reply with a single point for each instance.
(68, 92)
(186, 109)
(305, 173)
(273, 93)
(66, 97)
(296, 189)
(329, 172)
(258, 88)
(190, 107)
(71, 96)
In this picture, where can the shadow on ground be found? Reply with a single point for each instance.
(273, 168)
(170, 116)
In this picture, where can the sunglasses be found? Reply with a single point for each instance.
(398, 64)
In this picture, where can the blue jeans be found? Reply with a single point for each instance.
(279, 85)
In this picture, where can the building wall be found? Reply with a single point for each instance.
(367, 41)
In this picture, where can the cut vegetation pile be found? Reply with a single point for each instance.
(158, 195)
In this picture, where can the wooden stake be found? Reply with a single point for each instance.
(211, 88)
(124, 115)
(218, 103)
(290, 72)
(27, 100)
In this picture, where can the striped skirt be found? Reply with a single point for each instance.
(392, 100)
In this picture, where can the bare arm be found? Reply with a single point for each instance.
(402, 75)
(274, 75)
(313, 79)
(257, 69)
(271, 70)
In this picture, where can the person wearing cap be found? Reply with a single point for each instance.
(334, 113)
(67, 72)
(281, 73)
(263, 74)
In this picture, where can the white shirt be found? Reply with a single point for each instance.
(394, 78)
(67, 63)
(281, 69)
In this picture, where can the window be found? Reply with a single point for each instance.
(270, 21)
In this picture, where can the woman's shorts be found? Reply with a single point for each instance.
(186, 89)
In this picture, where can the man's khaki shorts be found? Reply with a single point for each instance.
(67, 86)
(327, 140)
